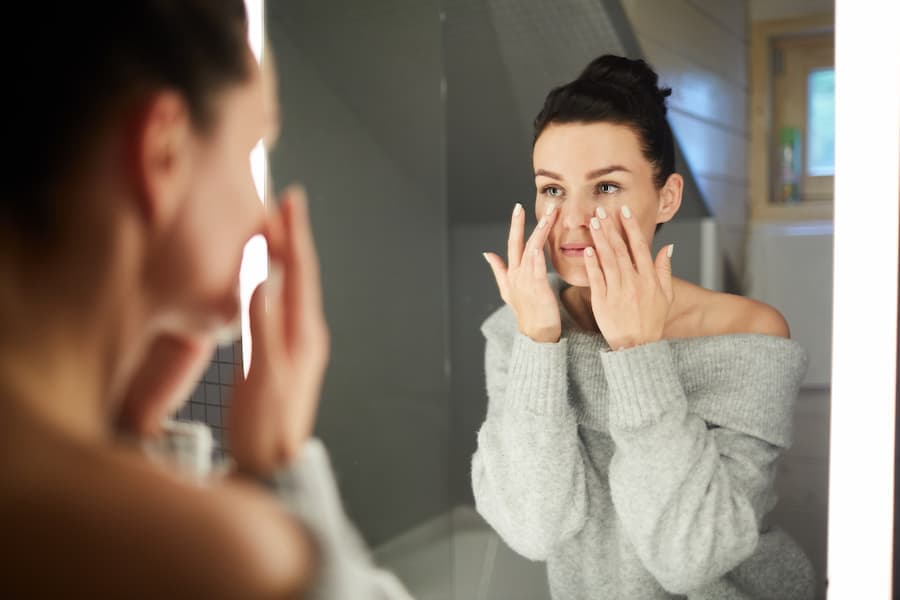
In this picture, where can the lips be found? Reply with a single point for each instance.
(574, 248)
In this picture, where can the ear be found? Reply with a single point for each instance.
(670, 198)
(161, 157)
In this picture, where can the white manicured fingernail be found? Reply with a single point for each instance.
(549, 209)
(589, 251)
(517, 210)
(484, 254)
(671, 250)
(595, 223)
(542, 222)
(626, 212)
(601, 213)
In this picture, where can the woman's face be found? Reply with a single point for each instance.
(196, 270)
(582, 166)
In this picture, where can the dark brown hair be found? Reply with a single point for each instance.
(619, 90)
(81, 61)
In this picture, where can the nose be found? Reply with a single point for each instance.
(576, 212)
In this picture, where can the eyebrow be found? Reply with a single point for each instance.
(591, 175)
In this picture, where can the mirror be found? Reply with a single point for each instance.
(410, 123)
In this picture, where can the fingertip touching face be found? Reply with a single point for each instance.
(214, 210)
(581, 167)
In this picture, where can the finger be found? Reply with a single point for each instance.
(606, 257)
(540, 263)
(596, 281)
(514, 246)
(290, 265)
(309, 290)
(262, 324)
(539, 236)
(622, 256)
(164, 381)
(664, 270)
(499, 271)
(275, 234)
(637, 244)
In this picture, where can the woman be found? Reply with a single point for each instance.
(635, 420)
(122, 225)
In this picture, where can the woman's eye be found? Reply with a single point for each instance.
(607, 188)
(552, 191)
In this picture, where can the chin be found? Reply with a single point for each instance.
(224, 319)
(218, 317)
(575, 276)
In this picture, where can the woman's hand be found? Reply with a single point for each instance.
(172, 367)
(273, 411)
(523, 284)
(630, 294)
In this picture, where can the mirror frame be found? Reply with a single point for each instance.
(864, 351)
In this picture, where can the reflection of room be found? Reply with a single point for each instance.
(410, 124)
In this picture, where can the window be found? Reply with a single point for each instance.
(792, 119)
(820, 123)
(803, 119)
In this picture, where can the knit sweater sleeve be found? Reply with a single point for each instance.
(690, 499)
(528, 473)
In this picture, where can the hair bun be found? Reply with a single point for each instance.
(630, 75)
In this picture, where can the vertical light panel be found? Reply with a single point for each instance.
(867, 193)
(255, 263)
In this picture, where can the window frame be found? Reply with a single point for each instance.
(764, 35)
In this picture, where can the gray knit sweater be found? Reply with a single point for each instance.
(641, 473)
(307, 490)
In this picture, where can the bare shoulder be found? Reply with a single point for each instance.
(110, 524)
(732, 314)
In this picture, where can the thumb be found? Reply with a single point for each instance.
(664, 270)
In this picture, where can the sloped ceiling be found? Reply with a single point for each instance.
(501, 57)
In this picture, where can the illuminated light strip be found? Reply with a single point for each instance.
(864, 360)
(255, 263)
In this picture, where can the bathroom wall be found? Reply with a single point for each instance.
(700, 49)
(360, 91)
(208, 402)
(765, 10)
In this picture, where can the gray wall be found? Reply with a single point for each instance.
(363, 130)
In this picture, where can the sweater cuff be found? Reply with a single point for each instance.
(643, 385)
(537, 378)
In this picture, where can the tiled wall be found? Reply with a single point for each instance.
(209, 400)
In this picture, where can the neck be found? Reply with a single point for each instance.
(63, 360)
(579, 305)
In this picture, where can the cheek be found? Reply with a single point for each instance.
(232, 207)
(226, 213)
